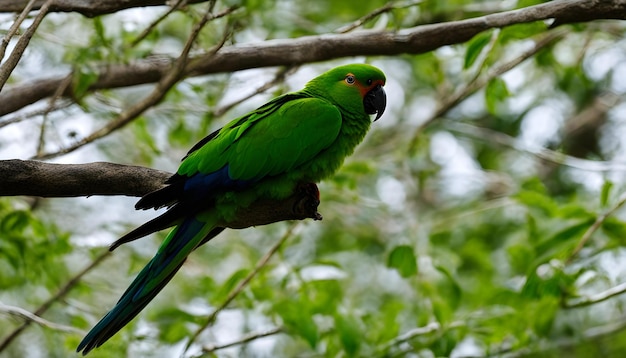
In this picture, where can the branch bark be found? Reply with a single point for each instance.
(34, 178)
(289, 52)
(88, 8)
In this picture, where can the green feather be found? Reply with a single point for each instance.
(300, 137)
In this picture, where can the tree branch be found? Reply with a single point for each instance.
(240, 286)
(498, 138)
(596, 297)
(63, 291)
(595, 226)
(9, 65)
(88, 8)
(243, 340)
(15, 26)
(158, 93)
(478, 82)
(33, 178)
(31, 317)
(309, 49)
(430, 328)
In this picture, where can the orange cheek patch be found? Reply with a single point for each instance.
(364, 89)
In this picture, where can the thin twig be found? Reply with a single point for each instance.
(7, 67)
(91, 8)
(60, 294)
(157, 94)
(323, 47)
(432, 327)
(155, 23)
(41, 143)
(14, 28)
(278, 78)
(57, 95)
(31, 317)
(479, 82)
(39, 112)
(487, 205)
(595, 226)
(562, 345)
(243, 340)
(242, 284)
(596, 297)
(494, 137)
(484, 54)
(415, 332)
(377, 12)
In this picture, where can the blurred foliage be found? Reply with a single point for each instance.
(480, 238)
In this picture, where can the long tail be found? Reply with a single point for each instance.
(181, 241)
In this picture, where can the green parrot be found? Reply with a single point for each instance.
(297, 138)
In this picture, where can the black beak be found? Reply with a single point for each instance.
(375, 101)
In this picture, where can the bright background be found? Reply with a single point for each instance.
(452, 231)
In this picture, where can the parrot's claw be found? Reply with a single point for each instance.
(309, 200)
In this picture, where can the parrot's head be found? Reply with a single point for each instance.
(355, 86)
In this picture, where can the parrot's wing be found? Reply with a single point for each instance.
(288, 138)
(276, 138)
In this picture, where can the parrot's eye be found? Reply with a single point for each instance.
(369, 82)
(350, 79)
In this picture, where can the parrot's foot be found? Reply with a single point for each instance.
(300, 205)
(309, 200)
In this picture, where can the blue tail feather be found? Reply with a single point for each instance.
(150, 281)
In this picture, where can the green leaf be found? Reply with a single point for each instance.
(537, 200)
(575, 211)
(427, 70)
(532, 229)
(548, 306)
(534, 184)
(606, 190)
(100, 32)
(350, 334)
(15, 221)
(520, 257)
(521, 31)
(298, 319)
(180, 134)
(145, 138)
(173, 324)
(230, 284)
(82, 78)
(403, 259)
(325, 295)
(475, 47)
(495, 93)
(615, 229)
(549, 279)
(451, 289)
(562, 243)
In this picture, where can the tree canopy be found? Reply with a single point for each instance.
(482, 216)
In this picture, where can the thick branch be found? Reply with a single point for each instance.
(320, 48)
(33, 178)
(89, 8)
